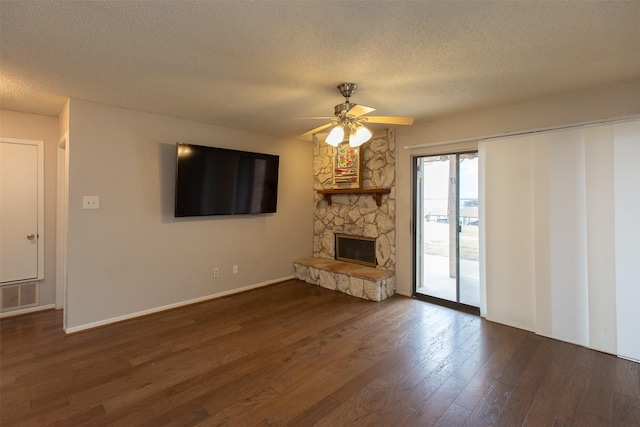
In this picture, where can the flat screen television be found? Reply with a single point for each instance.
(219, 181)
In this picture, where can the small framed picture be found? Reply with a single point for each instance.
(347, 166)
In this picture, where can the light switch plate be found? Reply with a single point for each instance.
(90, 202)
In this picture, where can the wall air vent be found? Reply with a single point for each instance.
(13, 297)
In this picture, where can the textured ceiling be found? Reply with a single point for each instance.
(257, 65)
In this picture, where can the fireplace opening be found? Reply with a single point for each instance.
(356, 249)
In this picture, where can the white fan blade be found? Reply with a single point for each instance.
(360, 110)
(318, 129)
(391, 120)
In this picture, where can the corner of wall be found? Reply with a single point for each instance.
(63, 119)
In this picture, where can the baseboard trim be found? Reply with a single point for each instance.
(154, 310)
(22, 311)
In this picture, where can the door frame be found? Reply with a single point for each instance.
(416, 225)
(62, 220)
(40, 182)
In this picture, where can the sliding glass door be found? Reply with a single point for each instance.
(446, 234)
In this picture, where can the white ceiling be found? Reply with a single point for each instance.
(256, 65)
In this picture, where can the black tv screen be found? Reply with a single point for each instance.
(219, 181)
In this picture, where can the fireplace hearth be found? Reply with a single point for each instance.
(356, 249)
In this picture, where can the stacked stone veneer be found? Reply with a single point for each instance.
(357, 214)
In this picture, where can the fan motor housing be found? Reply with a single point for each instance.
(347, 89)
(343, 108)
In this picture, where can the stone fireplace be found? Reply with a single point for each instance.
(355, 214)
(358, 214)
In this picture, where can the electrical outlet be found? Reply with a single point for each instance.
(90, 202)
(216, 272)
(235, 269)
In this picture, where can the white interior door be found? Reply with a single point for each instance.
(20, 207)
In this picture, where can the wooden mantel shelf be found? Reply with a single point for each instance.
(376, 193)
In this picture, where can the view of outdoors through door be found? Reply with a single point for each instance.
(447, 244)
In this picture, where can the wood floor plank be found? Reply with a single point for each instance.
(315, 413)
(454, 416)
(490, 407)
(429, 386)
(573, 393)
(598, 400)
(519, 361)
(296, 354)
(482, 382)
(478, 357)
(626, 410)
(543, 409)
(519, 403)
(529, 384)
(365, 407)
(434, 408)
(628, 378)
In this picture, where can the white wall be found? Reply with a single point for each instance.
(40, 128)
(132, 256)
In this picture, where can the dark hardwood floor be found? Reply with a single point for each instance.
(295, 354)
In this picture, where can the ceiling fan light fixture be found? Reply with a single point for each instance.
(360, 136)
(350, 117)
(336, 136)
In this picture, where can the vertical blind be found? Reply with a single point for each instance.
(561, 234)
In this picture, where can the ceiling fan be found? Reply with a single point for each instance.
(350, 117)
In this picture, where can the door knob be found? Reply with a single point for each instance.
(31, 236)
